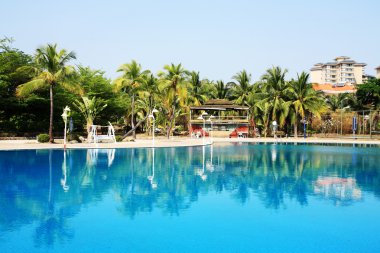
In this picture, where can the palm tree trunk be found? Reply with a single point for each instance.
(252, 126)
(171, 121)
(51, 137)
(132, 117)
(295, 126)
(89, 124)
(137, 125)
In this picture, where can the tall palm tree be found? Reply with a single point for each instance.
(174, 84)
(200, 90)
(53, 72)
(149, 90)
(130, 82)
(276, 88)
(304, 99)
(256, 111)
(197, 95)
(242, 87)
(148, 97)
(222, 90)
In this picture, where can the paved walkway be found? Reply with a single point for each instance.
(176, 142)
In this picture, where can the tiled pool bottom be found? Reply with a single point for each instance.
(222, 198)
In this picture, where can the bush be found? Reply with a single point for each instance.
(43, 138)
(119, 138)
(73, 137)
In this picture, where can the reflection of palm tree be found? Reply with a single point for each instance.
(53, 225)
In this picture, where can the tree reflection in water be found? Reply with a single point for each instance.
(49, 187)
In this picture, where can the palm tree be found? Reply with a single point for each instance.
(173, 83)
(149, 90)
(304, 99)
(242, 88)
(222, 90)
(89, 108)
(339, 101)
(276, 88)
(256, 109)
(197, 95)
(130, 82)
(53, 72)
(148, 98)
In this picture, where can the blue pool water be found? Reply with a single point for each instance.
(221, 198)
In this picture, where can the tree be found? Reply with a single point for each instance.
(368, 94)
(130, 82)
(241, 89)
(339, 101)
(221, 90)
(90, 109)
(201, 90)
(16, 68)
(275, 89)
(304, 99)
(257, 111)
(173, 83)
(95, 84)
(53, 72)
(148, 98)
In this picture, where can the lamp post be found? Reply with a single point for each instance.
(304, 127)
(64, 117)
(204, 126)
(210, 120)
(151, 115)
(274, 127)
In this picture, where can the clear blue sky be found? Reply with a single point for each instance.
(217, 38)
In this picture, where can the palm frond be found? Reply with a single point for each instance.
(28, 88)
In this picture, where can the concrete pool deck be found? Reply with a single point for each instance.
(176, 142)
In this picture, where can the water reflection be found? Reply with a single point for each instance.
(340, 190)
(151, 177)
(49, 187)
(64, 184)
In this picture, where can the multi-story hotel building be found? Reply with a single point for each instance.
(341, 72)
(378, 72)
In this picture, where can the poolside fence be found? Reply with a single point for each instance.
(344, 124)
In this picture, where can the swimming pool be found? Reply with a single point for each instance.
(221, 198)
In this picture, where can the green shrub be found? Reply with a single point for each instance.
(43, 138)
(119, 138)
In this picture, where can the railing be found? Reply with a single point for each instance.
(219, 119)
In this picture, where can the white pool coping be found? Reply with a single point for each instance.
(176, 142)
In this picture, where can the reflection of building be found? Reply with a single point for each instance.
(341, 189)
(343, 71)
(229, 120)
